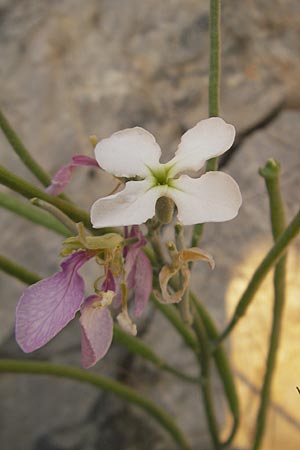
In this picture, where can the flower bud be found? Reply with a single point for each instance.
(126, 323)
(164, 209)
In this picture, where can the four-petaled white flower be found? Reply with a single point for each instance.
(214, 197)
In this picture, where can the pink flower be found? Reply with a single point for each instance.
(46, 307)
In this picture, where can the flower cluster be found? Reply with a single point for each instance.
(46, 307)
(133, 155)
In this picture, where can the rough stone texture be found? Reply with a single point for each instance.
(75, 68)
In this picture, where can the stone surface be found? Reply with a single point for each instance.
(75, 68)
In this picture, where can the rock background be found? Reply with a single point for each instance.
(72, 68)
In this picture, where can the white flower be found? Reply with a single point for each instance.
(133, 152)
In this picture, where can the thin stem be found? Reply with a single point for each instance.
(214, 88)
(184, 306)
(173, 316)
(205, 377)
(115, 387)
(156, 245)
(22, 151)
(29, 191)
(223, 367)
(215, 67)
(24, 154)
(271, 175)
(32, 213)
(137, 346)
(17, 271)
(278, 249)
(56, 213)
(197, 235)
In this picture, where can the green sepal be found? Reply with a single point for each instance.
(107, 241)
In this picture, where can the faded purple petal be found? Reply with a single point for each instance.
(83, 160)
(63, 176)
(142, 283)
(130, 264)
(136, 232)
(117, 300)
(60, 180)
(46, 307)
(96, 331)
(109, 282)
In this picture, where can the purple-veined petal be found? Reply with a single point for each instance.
(136, 232)
(109, 282)
(84, 160)
(207, 139)
(46, 307)
(142, 283)
(127, 153)
(63, 176)
(117, 300)
(214, 197)
(130, 263)
(96, 331)
(133, 205)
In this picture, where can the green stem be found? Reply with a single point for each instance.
(278, 249)
(25, 156)
(17, 271)
(22, 151)
(32, 213)
(57, 214)
(29, 191)
(215, 67)
(205, 377)
(214, 88)
(197, 235)
(156, 245)
(122, 391)
(173, 316)
(137, 346)
(271, 175)
(223, 367)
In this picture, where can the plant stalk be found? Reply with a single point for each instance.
(278, 249)
(271, 176)
(223, 367)
(214, 68)
(126, 393)
(205, 377)
(17, 271)
(22, 151)
(32, 213)
(29, 191)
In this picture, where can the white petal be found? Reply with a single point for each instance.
(214, 197)
(127, 153)
(132, 206)
(207, 139)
